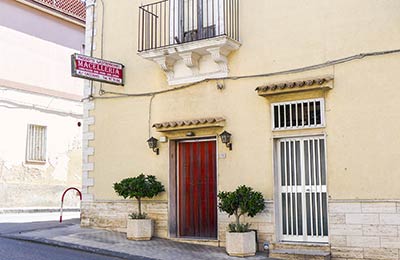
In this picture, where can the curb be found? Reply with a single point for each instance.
(89, 249)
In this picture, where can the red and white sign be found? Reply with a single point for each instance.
(97, 69)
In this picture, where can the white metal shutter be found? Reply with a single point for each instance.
(303, 194)
(36, 143)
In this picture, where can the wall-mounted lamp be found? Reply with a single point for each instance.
(153, 144)
(226, 139)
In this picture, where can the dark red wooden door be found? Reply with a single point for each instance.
(197, 189)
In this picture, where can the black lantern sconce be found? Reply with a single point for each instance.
(226, 139)
(153, 144)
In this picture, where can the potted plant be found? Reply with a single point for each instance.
(142, 186)
(240, 241)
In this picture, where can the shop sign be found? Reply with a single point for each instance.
(97, 69)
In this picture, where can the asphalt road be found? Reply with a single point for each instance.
(15, 250)
(10, 228)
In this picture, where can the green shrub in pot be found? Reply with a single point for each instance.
(240, 241)
(142, 186)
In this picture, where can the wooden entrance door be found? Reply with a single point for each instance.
(197, 189)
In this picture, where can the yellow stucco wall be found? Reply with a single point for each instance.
(362, 118)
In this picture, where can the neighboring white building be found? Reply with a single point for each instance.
(40, 103)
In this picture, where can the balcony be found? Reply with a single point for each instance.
(189, 39)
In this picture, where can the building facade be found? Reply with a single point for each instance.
(304, 88)
(40, 103)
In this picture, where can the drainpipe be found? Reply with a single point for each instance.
(89, 39)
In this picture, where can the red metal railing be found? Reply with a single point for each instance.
(62, 199)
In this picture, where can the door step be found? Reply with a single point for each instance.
(299, 254)
(204, 242)
(305, 246)
(300, 251)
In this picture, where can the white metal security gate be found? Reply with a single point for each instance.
(302, 189)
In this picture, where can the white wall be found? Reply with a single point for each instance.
(29, 60)
(23, 18)
(36, 87)
(24, 184)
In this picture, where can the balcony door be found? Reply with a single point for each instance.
(196, 19)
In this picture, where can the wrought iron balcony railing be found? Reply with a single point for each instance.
(170, 22)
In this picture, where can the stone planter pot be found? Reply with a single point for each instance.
(139, 229)
(241, 244)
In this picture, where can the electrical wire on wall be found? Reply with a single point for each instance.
(103, 92)
(290, 71)
(270, 74)
(12, 104)
(153, 94)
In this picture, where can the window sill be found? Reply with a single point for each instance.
(35, 162)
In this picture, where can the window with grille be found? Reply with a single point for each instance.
(36, 143)
(298, 114)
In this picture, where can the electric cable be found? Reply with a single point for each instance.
(283, 72)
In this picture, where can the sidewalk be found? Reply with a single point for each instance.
(36, 217)
(110, 243)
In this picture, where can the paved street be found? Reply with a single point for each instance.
(15, 250)
(50, 240)
(9, 227)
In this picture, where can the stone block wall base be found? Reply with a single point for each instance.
(362, 229)
(113, 215)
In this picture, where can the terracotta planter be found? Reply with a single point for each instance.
(241, 244)
(139, 229)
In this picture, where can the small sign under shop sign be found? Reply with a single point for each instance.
(97, 69)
